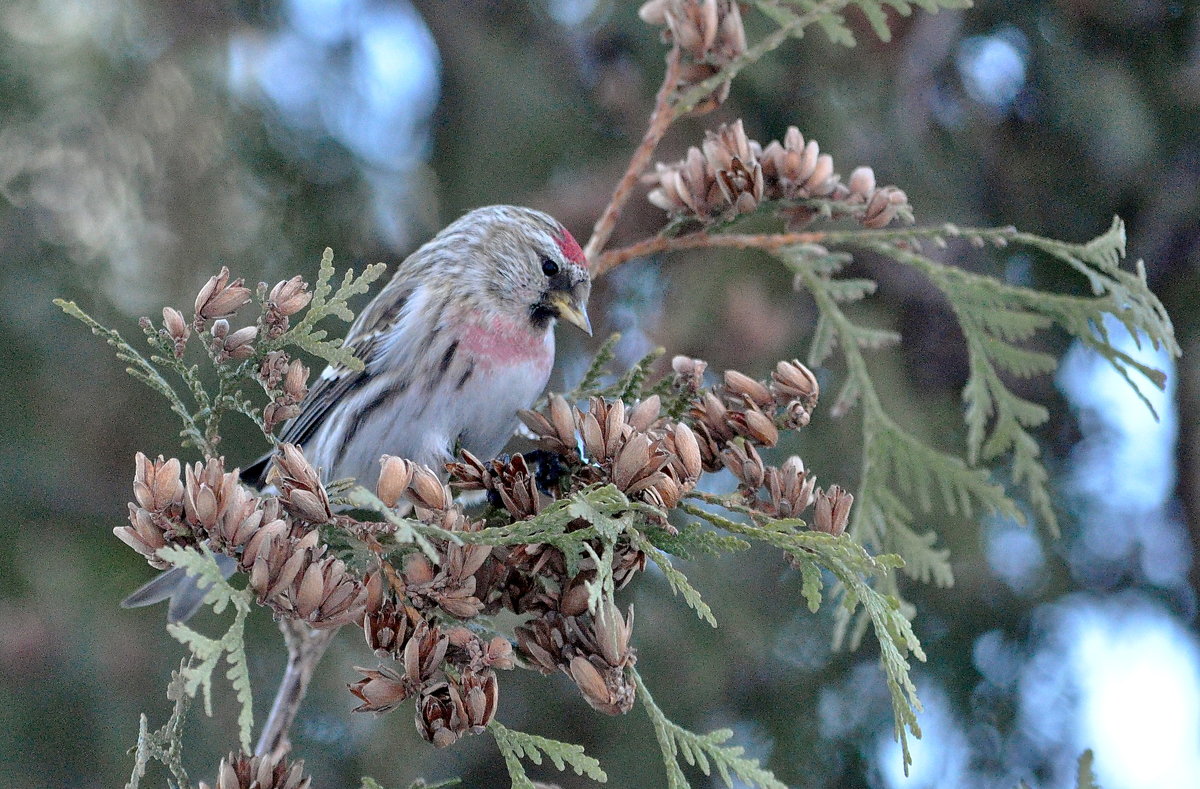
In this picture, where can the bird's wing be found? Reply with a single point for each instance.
(366, 339)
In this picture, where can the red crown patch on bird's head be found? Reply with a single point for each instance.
(570, 248)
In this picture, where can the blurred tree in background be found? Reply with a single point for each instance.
(145, 143)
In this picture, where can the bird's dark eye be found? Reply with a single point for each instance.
(549, 267)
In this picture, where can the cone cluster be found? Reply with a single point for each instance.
(273, 538)
(732, 174)
(709, 35)
(646, 457)
(450, 671)
(742, 413)
(593, 649)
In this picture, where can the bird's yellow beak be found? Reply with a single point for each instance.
(571, 309)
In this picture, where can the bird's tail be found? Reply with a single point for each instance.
(185, 594)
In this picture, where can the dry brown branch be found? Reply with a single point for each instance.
(305, 649)
(615, 257)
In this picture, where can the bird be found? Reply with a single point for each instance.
(458, 342)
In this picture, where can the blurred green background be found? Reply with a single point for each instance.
(145, 143)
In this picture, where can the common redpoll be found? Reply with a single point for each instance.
(453, 347)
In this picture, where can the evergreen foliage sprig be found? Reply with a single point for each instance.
(517, 745)
(234, 376)
(206, 652)
(164, 744)
(703, 751)
(327, 302)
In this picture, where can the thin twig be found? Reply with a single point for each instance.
(305, 649)
(699, 240)
(660, 119)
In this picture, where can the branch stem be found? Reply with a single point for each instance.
(699, 240)
(305, 648)
(661, 117)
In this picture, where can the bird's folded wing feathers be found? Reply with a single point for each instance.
(366, 340)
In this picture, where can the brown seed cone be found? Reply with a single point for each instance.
(684, 448)
(395, 475)
(789, 489)
(156, 516)
(471, 473)
(427, 492)
(744, 462)
(241, 517)
(156, 485)
(279, 560)
(469, 652)
(638, 460)
(478, 695)
(645, 415)
(449, 586)
(883, 206)
(755, 426)
(832, 510)
(605, 688)
(295, 383)
(517, 487)
(689, 373)
(276, 413)
(459, 601)
(793, 381)
(709, 32)
(220, 298)
(441, 716)
(574, 598)
(239, 344)
(710, 448)
(743, 387)
(299, 485)
(627, 563)
(687, 187)
(556, 428)
(388, 627)
(263, 539)
(325, 595)
(381, 690)
(424, 652)
(207, 493)
(603, 429)
(146, 533)
(710, 412)
(176, 330)
(273, 368)
(602, 652)
(289, 297)
(541, 642)
(242, 771)
(498, 654)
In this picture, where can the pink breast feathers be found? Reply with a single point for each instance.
(570, 248)
(501, 343)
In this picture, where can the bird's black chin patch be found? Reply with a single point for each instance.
(542, 313)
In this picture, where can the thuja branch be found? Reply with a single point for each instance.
(141, 369)
(305, 648)
(701, 240)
